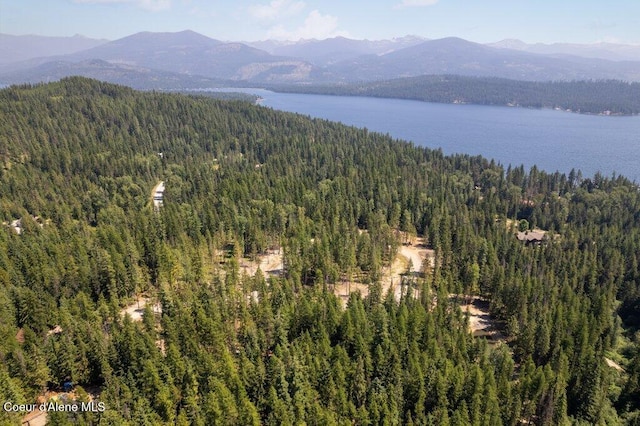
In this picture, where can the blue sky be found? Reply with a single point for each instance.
(546, 21)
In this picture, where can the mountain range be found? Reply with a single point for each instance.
(333, 50)
(187, 59)
(21, 48)
(608, 51)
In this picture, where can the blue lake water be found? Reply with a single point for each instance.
(552, 140)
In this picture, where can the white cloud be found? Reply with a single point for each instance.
(153, 5)
(415, 3)
(277, 9)
(316, 25)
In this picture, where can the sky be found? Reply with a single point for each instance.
(483, 21)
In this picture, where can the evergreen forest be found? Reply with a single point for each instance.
(81, 240)
(607, 97)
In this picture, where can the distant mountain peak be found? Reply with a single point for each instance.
(510, 43)
(185, 35)
(409, 37)
(454, 41)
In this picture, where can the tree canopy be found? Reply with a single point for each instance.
(79, 161)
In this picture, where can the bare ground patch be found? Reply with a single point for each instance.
(611, 363)
(136, 309)
(410, 261)
(343, 290)
(269, 263)
(481, 324)
(416, 254)
(38, 417)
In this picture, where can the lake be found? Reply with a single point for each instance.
(551, 140)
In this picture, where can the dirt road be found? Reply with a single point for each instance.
(157, 194)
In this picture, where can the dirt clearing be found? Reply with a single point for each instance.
(269, 263)
(409, 262)
(480, 322)
(136, 309)
(611, 363)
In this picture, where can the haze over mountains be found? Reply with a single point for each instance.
(608, 51)
(333, 50)
(189, 59)
(21, 48)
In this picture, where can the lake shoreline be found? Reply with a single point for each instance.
(549, 139)
(605, 113)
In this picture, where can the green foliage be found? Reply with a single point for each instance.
(79, 159)
(588, 97)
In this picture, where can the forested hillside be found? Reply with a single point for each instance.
(79, 159)
(609, 97)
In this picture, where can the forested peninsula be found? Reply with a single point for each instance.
(606, 97)
(166, 313)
